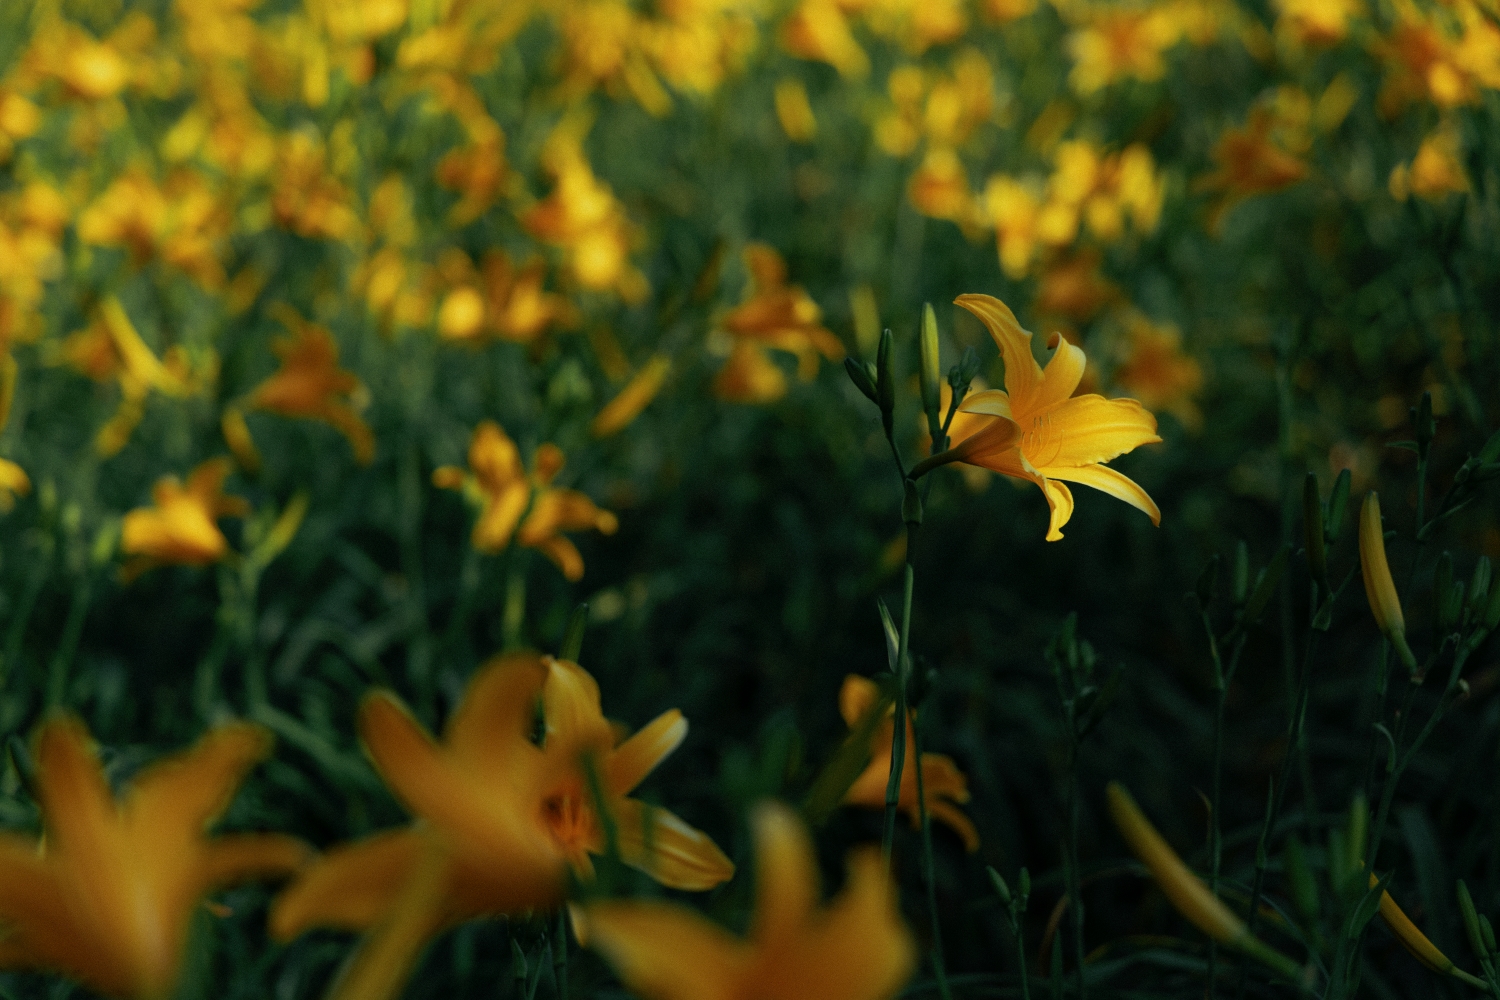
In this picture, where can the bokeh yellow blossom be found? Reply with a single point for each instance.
(310, 385)
(180, 527)
(1156, 370)
(774, 316)
(528, 508)
(1435, 172)
(943, 784)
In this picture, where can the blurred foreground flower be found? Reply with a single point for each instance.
(1040, 431)
(498, 483)
(309, 385)
(503, 810)
(179, 528)
(774, 316)
(1186, 891)
(108, 894)
(855, 949)
(942, 782)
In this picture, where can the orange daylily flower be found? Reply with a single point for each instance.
(499, 484)
(311, 385)
(503, 301)
(1157, 371)
(1044, 434)
(502, 812)
(1251, 162)
(943, 784)
(856, 948)
(583, 216)
(777, 316)
(637, 394)
(106, 896)
(110, 348)
(184, 222)
(179, 528)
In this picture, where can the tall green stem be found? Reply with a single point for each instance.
(898, 729)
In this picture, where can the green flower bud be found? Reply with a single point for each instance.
(1479, 587)
(911, 504)
(1001, 889)
(885, 381)
(1241, 573)
(860, 376)
(931, 393)
(1338, 505)
(1471, 920)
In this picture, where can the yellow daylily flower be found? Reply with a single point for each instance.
(1251, 161)
(310, 384)
(502, 301)
(183, 222)
(502, 811)
(856, 948)
(943, 783)
(1436, 171)
(1417, 943)
(777, 316)
(584, 218)
(107, 895)
(179, 528)
(794, 111)
(818, 30)
(505, 493)
(1040, 431)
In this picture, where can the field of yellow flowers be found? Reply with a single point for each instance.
(481, 482)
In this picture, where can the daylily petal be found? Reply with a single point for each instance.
(945, 812)
(75, 798)
(1087, 429)
(666, 952)
(1063, 372)
(994, 446)
(574, 717)
(502, 512)
(786, 876)
(385, 957)
(669, 850)
(498, 710)
(990, 402)
(181, 795)
(1118, 485)
(859, 949)
(564, 555)
(233, 858)
(493, 456)
(1023, 376)
(856, 697)
(33, 909)
(632, 760)
(1060, 500)
(350, 887)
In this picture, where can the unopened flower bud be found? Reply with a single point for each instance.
(861, 379)
(1471, 920)
(1380, 589)
(931, 376)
